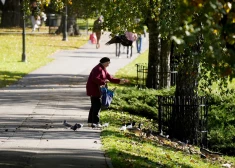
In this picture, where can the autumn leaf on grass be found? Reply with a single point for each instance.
(168, 156)
(193, 161)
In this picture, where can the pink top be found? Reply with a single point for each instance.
(131, 36)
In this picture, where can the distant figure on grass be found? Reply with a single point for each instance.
(99, 77)
(97, 29)
(35, 15)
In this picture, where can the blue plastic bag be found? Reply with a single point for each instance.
(106, 96)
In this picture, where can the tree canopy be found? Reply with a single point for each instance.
(182, 21)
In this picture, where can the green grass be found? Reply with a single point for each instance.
(125, 149)
(129, 71)
(83, 24)
(38, 48)
(128, 150)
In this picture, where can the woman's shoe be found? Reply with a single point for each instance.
(89, 124)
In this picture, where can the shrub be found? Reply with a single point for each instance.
(221, 117)
(221, 124)
(141, 102)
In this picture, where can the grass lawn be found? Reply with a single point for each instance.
(130, 150)
(38, 48)
(127, 150)
(84, 24)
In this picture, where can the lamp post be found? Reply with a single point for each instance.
(65, 21)
(23, 35)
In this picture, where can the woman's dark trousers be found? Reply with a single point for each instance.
(94, 113)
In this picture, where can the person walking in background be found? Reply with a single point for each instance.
(141, 34)
(139, 43)
(131, 37)
(97, 28)
(35, 15)
(99, 77)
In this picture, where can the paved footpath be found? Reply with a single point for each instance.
(32, 110)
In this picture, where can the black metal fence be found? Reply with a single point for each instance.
(142, 72)
(173, 74)
(168, 105)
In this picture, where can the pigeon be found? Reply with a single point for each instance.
(148, 132)
(136, 130)
(227, 165)
(96, 126)
(66, 124)
(76, 126)
(129, 125)
(123, 128)
(209, 154)
(105, 125)
(202, 156)
(183, 144)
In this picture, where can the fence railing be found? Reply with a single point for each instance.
(197, 107)
(142, 72)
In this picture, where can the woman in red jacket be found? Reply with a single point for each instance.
(97, 78)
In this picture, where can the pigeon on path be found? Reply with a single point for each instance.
(96, 126)
(66, 124)
(73, 127)
(76, 126)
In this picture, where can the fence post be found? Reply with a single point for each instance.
(159, 114)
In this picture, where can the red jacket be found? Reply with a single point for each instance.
(97, 78)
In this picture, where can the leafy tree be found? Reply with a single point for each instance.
(203, 44)
(12, 11)
(198, 34)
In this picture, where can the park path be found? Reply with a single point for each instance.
(33, 109)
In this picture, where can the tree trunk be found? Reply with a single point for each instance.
(164, 73)
(185, 115)
(154, 55)
(72, 26)
(12, 13)
(159, 59)
(185, 112)
(186, 83)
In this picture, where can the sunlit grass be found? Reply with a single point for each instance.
(127, 150)
(38, 49)
(130, 69)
